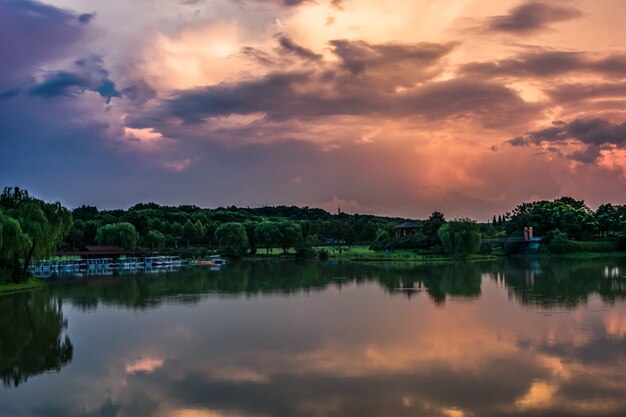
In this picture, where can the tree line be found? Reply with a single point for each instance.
(33, 229)
(237, 230)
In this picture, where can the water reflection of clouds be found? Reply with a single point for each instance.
(344, 352)
(144, 365)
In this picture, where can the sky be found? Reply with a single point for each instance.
(390, 107)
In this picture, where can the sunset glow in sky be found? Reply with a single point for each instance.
(391, 107)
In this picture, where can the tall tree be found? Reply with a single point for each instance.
(45, 224)
(232, 239)
(432, 226)
(267, 234)
(290, 234)
(460, 237)
(189, 232)
(118, 234)
(154, 240)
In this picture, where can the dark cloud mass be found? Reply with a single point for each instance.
(594, 135)
(549, 63)
(31, 33)
(564, 93)
(90, 75)
(532, 17)
(86, 17)
(364, 83)
(290, 46)
(284, 96)
(273, 101)
(360, 56)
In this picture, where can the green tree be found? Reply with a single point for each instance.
(570, 216)
(556, 241)
(139, 219)
(232, 239)
(189, 232)
(290, 234)
(118, 234)
(460, 237)
(609, 218)
(13, 244)
(45, 224)
(267, 234)
(431, 228)
(250, 227)
(200, 232)
(154, 240)
(76, 236)
(176, 232)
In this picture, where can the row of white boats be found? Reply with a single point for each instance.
(114, 266)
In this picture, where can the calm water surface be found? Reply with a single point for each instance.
(509, 337)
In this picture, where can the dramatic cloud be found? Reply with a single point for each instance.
(380, 104)
(370, 80)
(565, 93)
(91, 75)
(32, 33)
(305, 95)
(361, 56)
(291, 47)
(595, 135)
(532, 17)
(549, 63)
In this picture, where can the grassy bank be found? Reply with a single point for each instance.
(363, 254)
(11, 288)
(581, 255)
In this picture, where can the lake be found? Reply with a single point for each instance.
(518, 337)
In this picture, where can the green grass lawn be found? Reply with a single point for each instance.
(362, 253)
(365, 254)
(10, 288)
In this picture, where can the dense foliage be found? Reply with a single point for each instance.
(570, 216)
(460, 237)
(29, 229)
(190, 228)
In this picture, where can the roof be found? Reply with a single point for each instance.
(103, 249)
(408, 225)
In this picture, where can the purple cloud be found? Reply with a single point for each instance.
(90, 75)
(532, 17)
(37, 33)
(594, 135)
(548, 63)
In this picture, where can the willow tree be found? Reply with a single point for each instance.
(42, 226)
(460, 237)
(13, 244)
(121, 234)
(232, 239)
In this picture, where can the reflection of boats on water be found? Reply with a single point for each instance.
(408, 288)
(213, 261)
(91, 267)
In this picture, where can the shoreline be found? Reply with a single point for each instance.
(12, 288)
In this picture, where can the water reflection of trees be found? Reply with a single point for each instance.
(439, 281)
(31, 337)
(563, 282)
(555, 282)
(257, 278)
